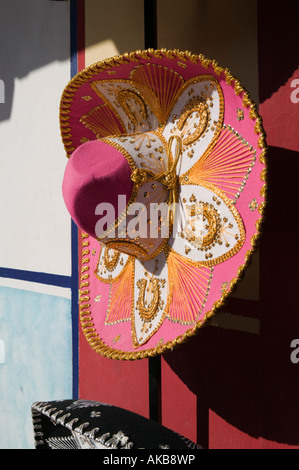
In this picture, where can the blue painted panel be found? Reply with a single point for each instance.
(36, 333)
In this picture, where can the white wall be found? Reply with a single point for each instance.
(35, 235)
(34, 65)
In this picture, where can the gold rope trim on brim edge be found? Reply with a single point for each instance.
(85, 314)
(83, 76)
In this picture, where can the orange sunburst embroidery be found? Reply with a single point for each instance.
(189, 287)
(159, 86)
(226, 165)
(103, 121)
(121, 293)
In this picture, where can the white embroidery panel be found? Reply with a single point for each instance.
(205, 227)
(133, 120)
(150, 288)
(206, 94)
(111, 263)
(146, 150)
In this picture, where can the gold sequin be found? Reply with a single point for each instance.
(253, 205)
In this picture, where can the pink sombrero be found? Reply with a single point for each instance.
(166, 180)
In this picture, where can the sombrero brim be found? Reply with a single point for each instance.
(87, 424)
(186, 291)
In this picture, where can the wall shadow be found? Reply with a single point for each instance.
(220, 366)
(278, 300)
(32, 34)
(35, 33)
(278, 43)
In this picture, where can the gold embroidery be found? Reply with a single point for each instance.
(101, 267)
(121, 296)
(136, 112)
(149, 299)
(253, 205)
(223, 229)
(90, 72)
(139, 177)
(186, 279)
(168, 178)
(110, 259)
(196, 116)
(160, 87)
(202, 211)
(141, 138)
(217, 162)
(103, 122)
(148, 304)
(132, 247)
(224, 286)
(180, 64)
(240, 114)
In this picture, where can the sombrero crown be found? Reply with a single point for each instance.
(166, 180)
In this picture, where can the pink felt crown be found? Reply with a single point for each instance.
(166, 179)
